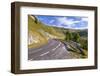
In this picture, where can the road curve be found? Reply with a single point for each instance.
(54, 49)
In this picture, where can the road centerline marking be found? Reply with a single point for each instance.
(44, 53)
(56, 47)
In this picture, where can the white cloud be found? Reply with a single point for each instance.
(85, 19)
(51, 21)
(70, 23)
(66, 21)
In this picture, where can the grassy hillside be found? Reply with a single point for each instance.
(39, 33)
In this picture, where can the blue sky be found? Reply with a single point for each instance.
(73, 22)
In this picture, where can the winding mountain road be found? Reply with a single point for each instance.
(54, 49)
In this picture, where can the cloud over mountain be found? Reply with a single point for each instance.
(73, 22)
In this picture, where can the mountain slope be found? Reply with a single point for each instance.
(39, 33)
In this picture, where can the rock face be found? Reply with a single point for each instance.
(39, 33)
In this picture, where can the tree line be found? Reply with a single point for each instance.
(75, 36)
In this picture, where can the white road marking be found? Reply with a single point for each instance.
(44, 53)
(56, 47)
(65, 49)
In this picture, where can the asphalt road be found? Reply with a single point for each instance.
(54, 49)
